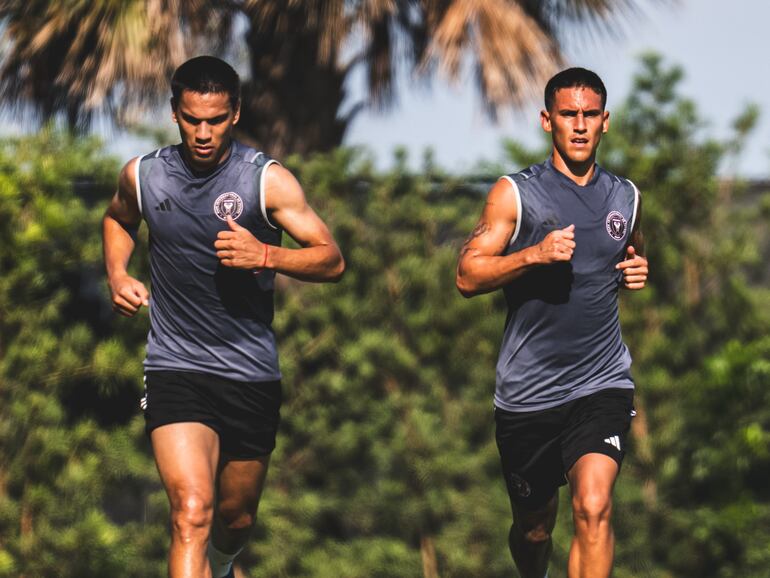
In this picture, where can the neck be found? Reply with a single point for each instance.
(579, 172)
(199, 171)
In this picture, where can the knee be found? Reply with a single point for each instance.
(591, 507)
(535, 527)
(236, 517)
(531, 532)
(191, 516)
(536, 535)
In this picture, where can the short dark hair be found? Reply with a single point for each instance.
(573, 77)
(204, 75)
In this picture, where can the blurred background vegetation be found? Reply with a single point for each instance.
(386, 464)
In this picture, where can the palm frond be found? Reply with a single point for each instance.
(88, 57)
(513, 46)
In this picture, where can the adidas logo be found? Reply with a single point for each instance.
(164, 205)
(143, 401)
(614, 441)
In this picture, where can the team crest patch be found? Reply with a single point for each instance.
(228, 204)
(520, 485)
(616, 225)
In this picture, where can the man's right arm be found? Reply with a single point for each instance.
(121, 220)
(483, 267)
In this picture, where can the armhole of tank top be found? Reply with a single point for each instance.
(262, 180)
(519, 214)
(636, 205)
(138, 184)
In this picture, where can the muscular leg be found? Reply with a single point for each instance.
(238, 492)
(591, 480)
(530, 538)
(186, 455)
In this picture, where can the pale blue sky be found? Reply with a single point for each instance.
(721, 46)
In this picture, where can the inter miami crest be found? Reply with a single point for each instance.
(228, 204)
(616, 225)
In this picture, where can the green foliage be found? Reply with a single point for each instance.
(72, 445)
(386, 458)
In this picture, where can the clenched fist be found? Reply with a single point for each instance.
(128, 295)
(557, 246)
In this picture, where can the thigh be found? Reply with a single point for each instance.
(186, 454)
(240, 484)
(598, 424)
(530, 455)
(593, 475)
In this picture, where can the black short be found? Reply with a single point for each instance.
(538, 448)
(245, 415)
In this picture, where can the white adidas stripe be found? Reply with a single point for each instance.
(143, 401)
(614, 441)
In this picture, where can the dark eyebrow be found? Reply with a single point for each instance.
(574, 111)
(215, 120)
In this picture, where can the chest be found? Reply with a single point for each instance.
(188, 214)
(602, 216)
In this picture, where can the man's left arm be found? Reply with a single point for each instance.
(634, 266)
(318, 258)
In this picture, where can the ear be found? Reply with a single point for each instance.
(237, 113)
(606, 121)
(173, 110)
(545, 120)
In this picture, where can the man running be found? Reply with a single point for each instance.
(560, 238)
(215, 210)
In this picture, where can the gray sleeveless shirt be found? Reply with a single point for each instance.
(204, 317)
(562, 335)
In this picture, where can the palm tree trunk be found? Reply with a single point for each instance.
(291, 103)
